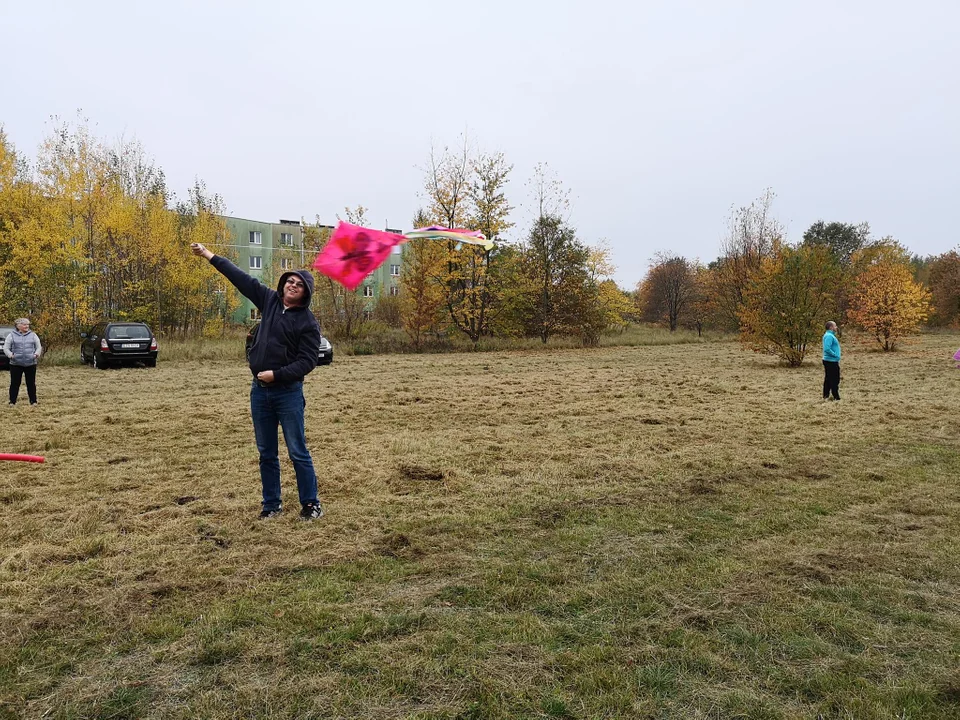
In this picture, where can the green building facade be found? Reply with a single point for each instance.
(267, 250)
(385, 280)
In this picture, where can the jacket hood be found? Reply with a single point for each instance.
(304, 275)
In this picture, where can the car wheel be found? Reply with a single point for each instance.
(150, 363)
(83, 358)
(98, 361)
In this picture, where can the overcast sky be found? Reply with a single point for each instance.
(658, 116)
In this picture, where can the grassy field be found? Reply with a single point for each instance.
(670, 531)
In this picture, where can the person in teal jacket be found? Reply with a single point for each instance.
(831, 362)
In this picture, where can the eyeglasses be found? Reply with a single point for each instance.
(294, 283)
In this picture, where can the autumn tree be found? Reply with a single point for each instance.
(885, 249)
(920, 268)
(557, 279)
(842, 240)
(199, 298)
(785, 307)
(700, 308)
(560, 276)
(615, 306)
(668, 292)
(388, 310)
(887, 302)
(945, 288)
(602, 305)
(17, 203)
(94, 236)
(421, 296)
(754, 234)
(478, 298)
(468, 189)
(508, 314)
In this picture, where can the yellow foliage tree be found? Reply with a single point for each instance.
(786, 305)
(421, 297)
(754, 235)
(91, 235)
(467, 190)
(614, 304)
(945, 288)
(888, 303)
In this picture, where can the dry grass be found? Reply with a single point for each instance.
(679, 531)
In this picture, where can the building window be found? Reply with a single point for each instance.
(285, 264)
(395, 270)
(256, 262)
(368, 314)
(255, 238)
(367, 291)
(254, 314)
(394, 290)
(286, 238)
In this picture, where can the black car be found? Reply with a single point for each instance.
(114, 343)
(4, 360)
(324, 357)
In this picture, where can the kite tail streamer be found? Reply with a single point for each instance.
(353, 252)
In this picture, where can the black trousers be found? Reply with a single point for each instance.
(831, 379)
(16, 373)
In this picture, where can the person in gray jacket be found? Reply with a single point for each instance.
(23, 348)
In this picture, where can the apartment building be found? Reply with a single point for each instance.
(267, 250)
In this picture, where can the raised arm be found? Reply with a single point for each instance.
(248, 286)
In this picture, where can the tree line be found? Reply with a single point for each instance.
(778, 295)
(89, 230)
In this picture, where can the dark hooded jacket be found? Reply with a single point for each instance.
(288, 340)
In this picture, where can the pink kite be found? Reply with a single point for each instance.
(956, 357)
(353, 252)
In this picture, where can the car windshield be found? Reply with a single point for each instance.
(128, 332)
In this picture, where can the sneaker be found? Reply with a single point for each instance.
(267, 514)
(311, 511)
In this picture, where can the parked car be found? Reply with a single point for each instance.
(325, 356)
(115, 343)
(4, 360)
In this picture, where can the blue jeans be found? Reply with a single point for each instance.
(282, 405)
